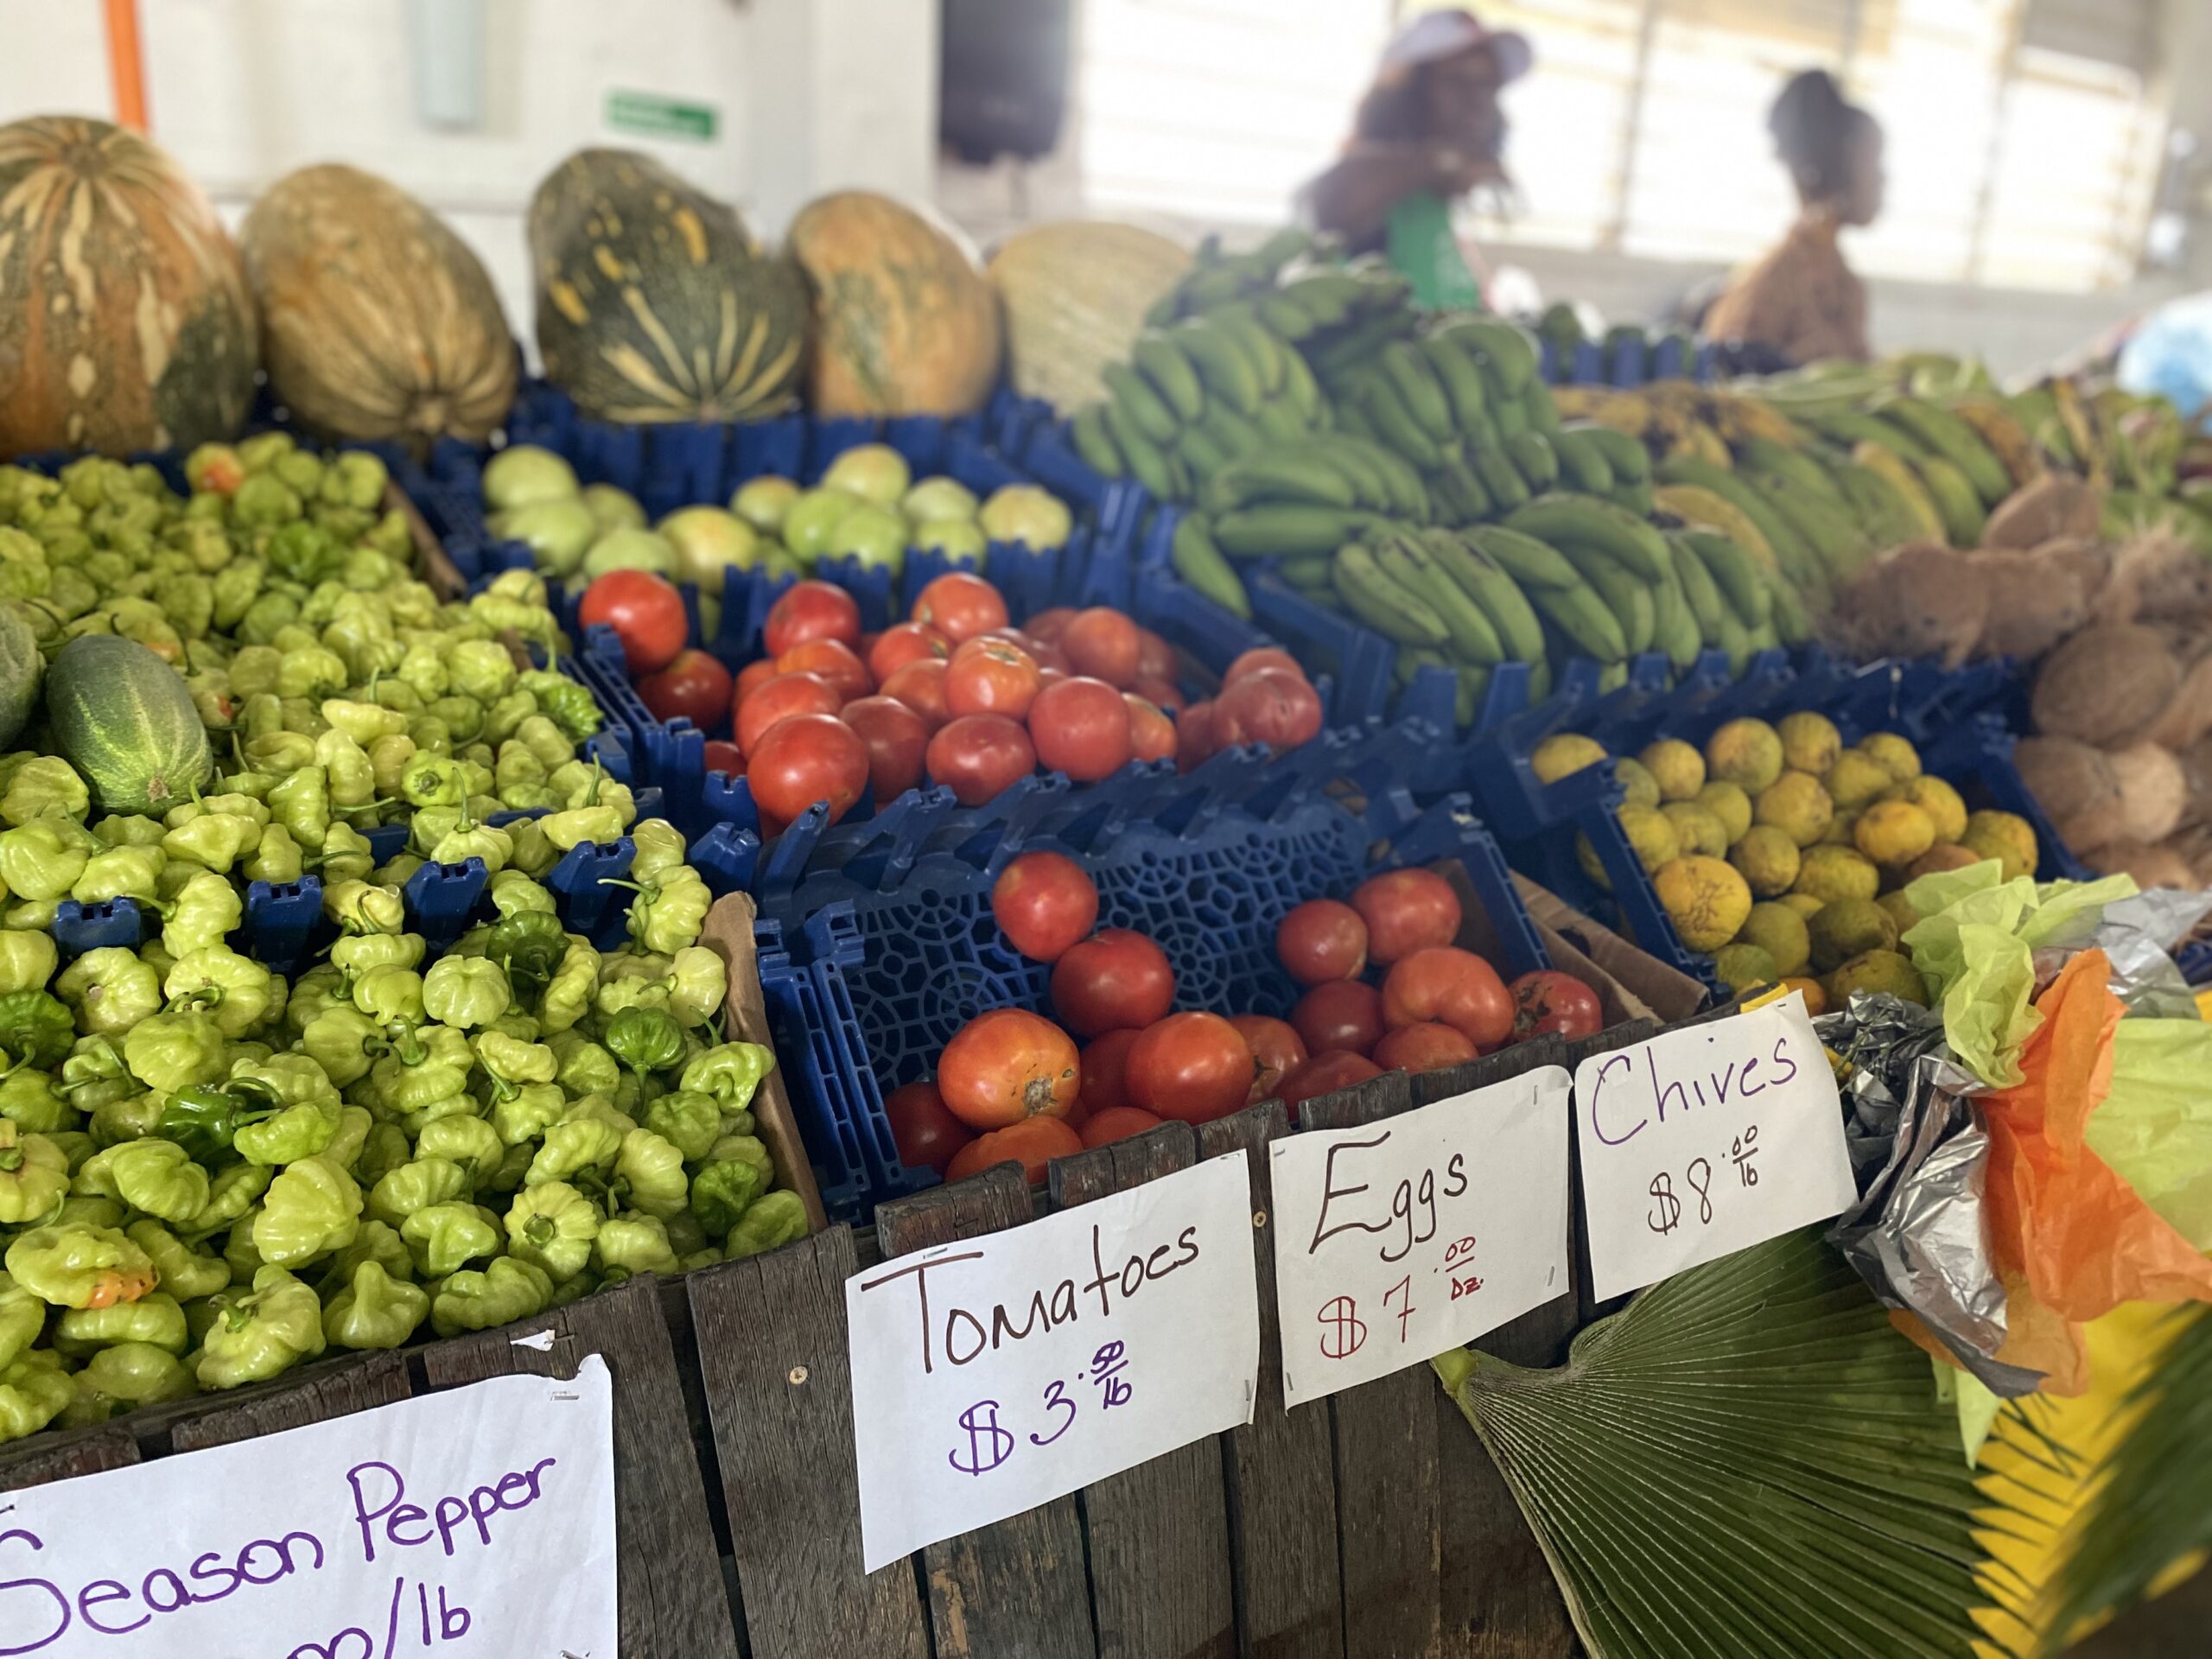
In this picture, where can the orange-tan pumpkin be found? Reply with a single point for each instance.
(377, 320)
(904, 321)
(124, 320)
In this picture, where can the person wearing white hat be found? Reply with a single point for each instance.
(1429, 130)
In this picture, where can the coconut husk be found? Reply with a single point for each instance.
(2107, 685)
(1918, 599)
(2158, 577)
(2188, 714)
(2077, 787)
(2152, 867)
(2055, 504)
(2153, 790)
(2036, 599)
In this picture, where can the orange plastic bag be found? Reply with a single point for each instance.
(2059, 1217)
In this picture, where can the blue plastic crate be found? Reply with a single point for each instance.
(817, 1073)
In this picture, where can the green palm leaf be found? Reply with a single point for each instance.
(1746, 1461)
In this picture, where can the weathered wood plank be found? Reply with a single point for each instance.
(1279, 1468)
(359, 1383)
(772, 1354)
(673, 1603)
(48, 1457)
(1015, 1588)
(1158, 1533)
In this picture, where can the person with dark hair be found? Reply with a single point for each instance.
(1427, 130)
(1803, 299)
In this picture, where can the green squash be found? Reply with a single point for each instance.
(121, 716)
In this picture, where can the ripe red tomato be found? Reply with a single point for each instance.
(920, 686)
(810, 610)
(1118, 1123)
(979, 757)
(1051, 661)
(1339, 1013)
(1442, 982)
(780, 698)
(925, 1134)
(1320, 940)
(832, 660)
(1103, 643)
(1193, 1066)
(1423, 1047)
(1082, 729)
(960, 606)
(1193, 735)
(1008, 1065)
(1044, 902)
(1324, 1075)
(1276, 1050)
(897, 739)
(1116, 978)
(751, 678)
(693, 687)
(1155, 657)
(1270, 706)
(1105, 1060)
(1151, 734)
(1261, 656)
(805, 759)
(646, 612)
(1044, 626)
(725, 757)
(1161, 694)
(990, 677)
(903, 643)
(1032, 1144)
(1549, 1000)
(1406, 910)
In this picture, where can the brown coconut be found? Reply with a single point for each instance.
(2107, 685)
(2158, 577)
(2052, 505)
(2077, 787)
(2152, 867)
(2188, 714)
(2153, 790)
(2035, 600)
(1918, 599)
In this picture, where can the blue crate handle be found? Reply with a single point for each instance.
(597, 910)
(814, 1073)
(102, 924)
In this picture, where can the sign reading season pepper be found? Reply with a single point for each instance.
(995, 1374)
(423, 1527)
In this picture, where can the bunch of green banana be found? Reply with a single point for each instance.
(1217, 277)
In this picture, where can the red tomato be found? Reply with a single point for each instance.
(646, 612)
(990, 677)
(1406, 910)
(1324, 1075)
(1005, 1065)
(751, 678)
(1103, 643)
(1261, 656)
(926, 1134)
(1151, 734)
(694, 687)
(1161, 694)
(903, 643)
(1051, 661)
(1457, 987)
(1032, 1144)
(960, 606)
(979, 757)
(778, 700)
(1548, 1000)
(1193, 735)
(897, 740)
(1270, 706)
(1046, 626)
(1082, 729)
(1193, 1066)
(1044, 902)
(1322, 940)
(1275, 1048)
(920, 686)
(805, 759)
(832, 660)
(1155, 657)
(1423, 1047)
(1339, 1014)
(1118, 1123)
(724, 756)
(810, 610)
(1105, 1060)
(1116, 978)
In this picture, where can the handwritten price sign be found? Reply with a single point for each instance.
(1401, 1239)
(1706, 1142)
(424, 1528)
(994, 1375)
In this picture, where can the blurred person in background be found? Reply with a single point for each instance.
(1801, 299)
(1428, 131)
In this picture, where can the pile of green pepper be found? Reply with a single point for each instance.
(207, 1174)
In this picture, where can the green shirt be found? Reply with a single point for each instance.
(1422, 247)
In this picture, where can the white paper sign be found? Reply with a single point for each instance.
(994, 1375)
(471, 1524)
(1705, 1141)
(1399, 1240)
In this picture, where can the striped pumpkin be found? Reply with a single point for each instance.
(377, 320)
(904, 322)
(124, 319)
(653, 303)
(1075, 294)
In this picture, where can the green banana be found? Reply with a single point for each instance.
(1945, 435)
(1262, 349)
(1284, 317)
(1396, 424)
(1765, 457)
(1791, 624)
(1303, 390)
(1485, 453)
(1628, 599)
(1194, 557)
(1485, 581)
(1409, 372)
(1673, 631)
(1559, 518)
(1221, 366)
(1852, 426)
(1461, 378)
(1172, 374)
(1700, 594)
(1508, 416)
(1384, 605)
(1407, 494)
(1354, 461)
(1874, 501)
(1410, 564)
(1629, 460)
(1823, 525)
(1533, 457)
(1148, 462)
(1295, 474)
(1203, 452)
(1095, 444)
(1309, 572)
(1582, 620)
(1956, 502)
(1582, 463)
(1531, 562)
(1543, 414)
(1140, 403)
(1280, 422)
(1461, 493)
(1792, 552)
(1507, 349)
(1278, 528)
(1735, 573)
(1234, 432)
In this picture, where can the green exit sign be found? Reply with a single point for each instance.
(660, 116)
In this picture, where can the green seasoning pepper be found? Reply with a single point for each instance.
(236, 990)
(204, 911)
(360, 908)
(154, 1319)
(506, 1291)
(389, 995)
(700, 984)
(204, 1120)
(120, 873)
(688, 1121)
(34, 1391)
(276, 857)
(568, 994)
(346, 854)
(338, 1040)
(566, 704)
(644, 1040)
(35, 1029)
(27, 961)
(510, 1063)
(465, 992)
(650, 1170)
(730, 1072)
(721, 1192)
(778, 1218)
(231, 1195)
(312, 1208)
(516, 894)
(444, 1238)
(262, 1333)
(33, 1175)
(374, 1309)
(669, 912)
(660, 848)
(530, 945)
(415, 1185)
(471, 1142)
(128, 1375)
(551, 1228)
(357, 953)
(525, 1116)
(633, 1245)
(183, 1272)
(168, 1051)
(579, 1149)
(45, 787)
(214, 840)
(71, 1265)
(43, 859)
(155, 1177)
(22, 1316)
